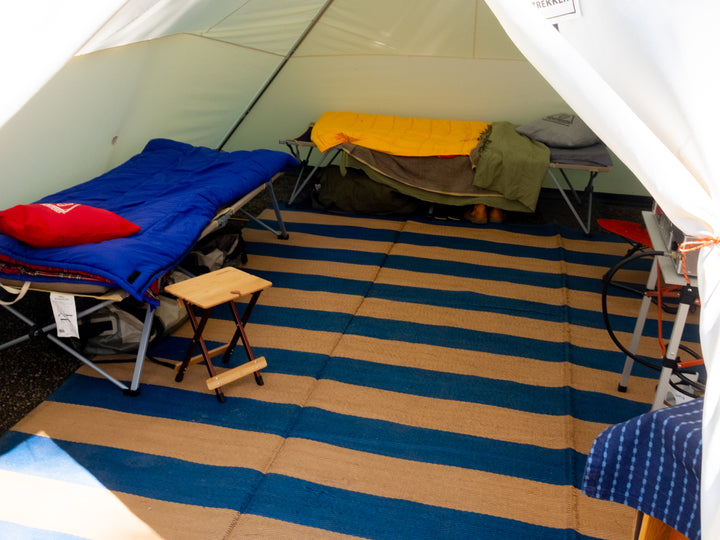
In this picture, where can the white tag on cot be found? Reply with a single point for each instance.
(63, 307)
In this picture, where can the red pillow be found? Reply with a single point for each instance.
(63, 224)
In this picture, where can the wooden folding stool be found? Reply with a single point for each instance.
(207, 291)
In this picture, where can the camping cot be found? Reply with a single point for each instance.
(457, 162)
(165, 198)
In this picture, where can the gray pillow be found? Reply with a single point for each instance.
(563, 130)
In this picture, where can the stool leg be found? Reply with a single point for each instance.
(197, 339)
(239, 323)
(241, 335)
(198, 328)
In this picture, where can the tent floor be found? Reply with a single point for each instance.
(33, 370)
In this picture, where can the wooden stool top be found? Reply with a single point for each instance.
(215, 288)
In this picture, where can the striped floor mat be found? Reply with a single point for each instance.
(425, 380)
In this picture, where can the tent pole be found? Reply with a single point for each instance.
(275, 73)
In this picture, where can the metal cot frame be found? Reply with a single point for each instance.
(112, 295)
(306, 173)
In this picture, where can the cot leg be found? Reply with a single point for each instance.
(276, 208)
(134, 389)
(585, 226)
(589, 190)
(297, 189)
(87, 362)
(571, 187)
(568, 202)
(304, 163)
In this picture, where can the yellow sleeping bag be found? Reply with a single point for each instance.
(397, 135)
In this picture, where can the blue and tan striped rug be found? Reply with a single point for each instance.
(425, 380)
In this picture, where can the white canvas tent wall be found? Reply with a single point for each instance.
(638, 73)
(188, 69)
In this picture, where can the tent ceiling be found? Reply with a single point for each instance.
(267, 25)
(452, 28)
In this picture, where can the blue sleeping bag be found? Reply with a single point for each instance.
(171, 190)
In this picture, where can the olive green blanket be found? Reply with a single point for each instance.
(505, 170)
